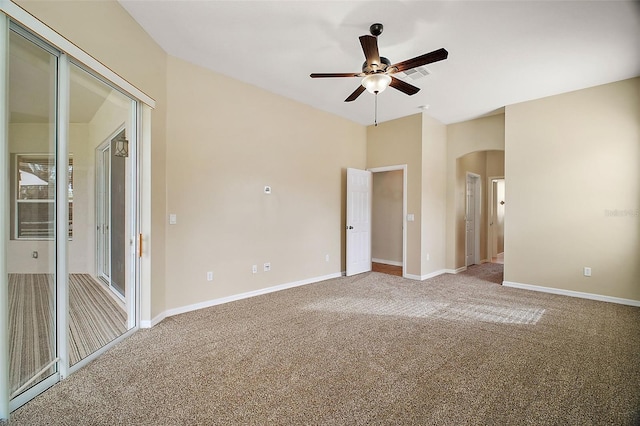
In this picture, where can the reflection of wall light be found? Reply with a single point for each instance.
(122, 146)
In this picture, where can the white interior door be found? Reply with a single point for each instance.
(500, 215)
(358, 221)
(472, 220)
(496, 219)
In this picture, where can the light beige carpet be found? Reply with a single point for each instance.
(369, 349)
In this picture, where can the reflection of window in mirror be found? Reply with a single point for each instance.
(35, 196)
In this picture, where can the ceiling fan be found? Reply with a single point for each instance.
(377, 70)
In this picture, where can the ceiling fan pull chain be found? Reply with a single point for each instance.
(375, 117)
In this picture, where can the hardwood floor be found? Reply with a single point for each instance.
(386, 269)
(397, 270)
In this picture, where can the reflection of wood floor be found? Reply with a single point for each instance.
(386, 269)
(95, 319)
(498, 259)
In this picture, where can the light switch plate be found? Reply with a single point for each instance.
(173, 219)
(410, 217)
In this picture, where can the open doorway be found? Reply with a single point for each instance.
(388, 211)
(473, 246)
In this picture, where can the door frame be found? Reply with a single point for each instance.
(99, 208)
(476, 217)
(402, 167)
(101, 185)
(491, 235)
(4, 221)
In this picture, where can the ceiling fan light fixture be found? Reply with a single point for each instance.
(376, 83)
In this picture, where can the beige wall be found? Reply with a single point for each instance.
(395, 143)
(434, 155)
(107, 32)
(226, 141)
(571, 160)
(482, 134)
(386, 220)
(253, 139)
(229, 146)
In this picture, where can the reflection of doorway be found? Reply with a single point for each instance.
(496, 219)
(472, 219)
(110, 208)
(103, 209)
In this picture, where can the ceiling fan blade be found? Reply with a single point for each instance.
(355, 94)
(427, 58)
(400, 85)
(326, 75)
(370, 48)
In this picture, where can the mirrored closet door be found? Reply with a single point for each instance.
(71, 250)
(101, 254)
(31, 249)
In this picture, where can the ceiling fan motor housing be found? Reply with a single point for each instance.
(384, 63)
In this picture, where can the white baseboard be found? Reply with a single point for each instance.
(571, 293)
(154, 321)
(455, 271)
(387, 262)
(412, 277)
(425, 277)
(233, 298)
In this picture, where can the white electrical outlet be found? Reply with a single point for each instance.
(587, 271)
(267, 267)
(254, 269)
(326, 258)
(209, 276)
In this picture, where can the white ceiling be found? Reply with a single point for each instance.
(500, 52)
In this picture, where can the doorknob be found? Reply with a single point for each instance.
(349, 227)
